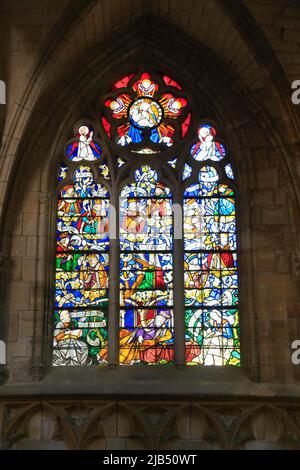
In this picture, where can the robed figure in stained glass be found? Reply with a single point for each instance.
(207, 148)
(68, 348)
(84, 148)
(150, 341)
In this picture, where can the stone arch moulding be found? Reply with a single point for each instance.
(51, 129)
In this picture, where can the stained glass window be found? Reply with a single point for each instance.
(210, 261)
(207, 148)
(146, 271)
(143, 150)
(82, 261)
(144, 112)
(84, 147)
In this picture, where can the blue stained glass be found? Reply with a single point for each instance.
(62, 174)
(84, 147)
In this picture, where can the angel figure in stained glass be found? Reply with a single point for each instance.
(207, 148)
(84, 148)
(118, 106)
(174, 106)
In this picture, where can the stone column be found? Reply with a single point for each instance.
(178, 273)
(40, 302)
(114, 303)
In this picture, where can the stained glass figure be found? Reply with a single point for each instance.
(146, 117)
(146, 271)
(83, 147)
(145, 113)
(207, 148)
(210, 272)
(81, 280)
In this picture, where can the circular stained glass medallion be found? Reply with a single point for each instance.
(145, 113)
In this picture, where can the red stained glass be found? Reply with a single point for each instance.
(185, 126)
(145, 113)
(106, 126)
(123, 82)
(172, 106)
(145, 86)
(168, 81)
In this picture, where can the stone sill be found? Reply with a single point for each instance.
(156, 382)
